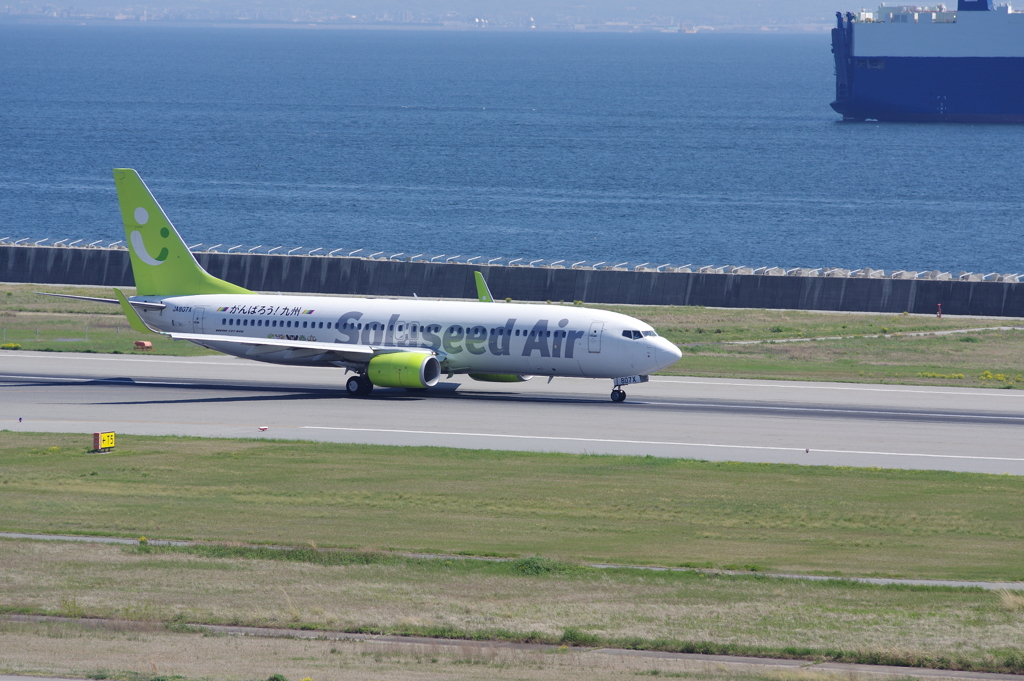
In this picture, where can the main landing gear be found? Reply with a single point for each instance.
(358, 386)
(618, 394)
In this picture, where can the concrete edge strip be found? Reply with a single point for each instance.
(878, 581)
(270, 632)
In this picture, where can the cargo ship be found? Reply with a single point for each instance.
(908, 63)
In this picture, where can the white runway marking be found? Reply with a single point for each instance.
(801, 450)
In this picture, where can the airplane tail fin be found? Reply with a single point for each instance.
(161, 262)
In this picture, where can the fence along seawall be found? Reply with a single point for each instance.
(359, 276)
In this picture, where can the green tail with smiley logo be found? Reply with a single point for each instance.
(161, 262)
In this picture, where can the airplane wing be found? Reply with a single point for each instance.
(263, 346)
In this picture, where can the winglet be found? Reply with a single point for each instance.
(482, 292)
(133, 317)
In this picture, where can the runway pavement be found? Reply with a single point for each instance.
(957, 429)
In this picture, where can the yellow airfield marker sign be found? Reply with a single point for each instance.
(103, 442)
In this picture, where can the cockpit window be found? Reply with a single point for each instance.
(650, 333)
(631, 334)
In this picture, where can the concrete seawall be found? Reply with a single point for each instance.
(356, 276)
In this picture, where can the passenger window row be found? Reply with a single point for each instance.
(377, 326)
(500, 331)
(423, 328)
(272, 323)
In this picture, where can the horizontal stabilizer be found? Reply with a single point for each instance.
(110, 301)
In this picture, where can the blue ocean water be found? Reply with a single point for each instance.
(705, 149)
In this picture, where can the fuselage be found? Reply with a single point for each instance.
(469, 337)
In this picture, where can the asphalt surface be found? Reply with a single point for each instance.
(957, 429)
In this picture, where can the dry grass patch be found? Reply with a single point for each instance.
(693, 612)
(142, 654)
(1012, 600)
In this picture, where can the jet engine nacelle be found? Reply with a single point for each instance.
(404, 370)
(501, 378)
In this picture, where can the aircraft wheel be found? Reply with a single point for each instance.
(358, 386)
(618, 395)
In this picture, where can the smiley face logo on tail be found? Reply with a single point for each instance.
(139, 245)
(153, 242)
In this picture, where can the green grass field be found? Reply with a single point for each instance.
(823, 520)
(991, 358)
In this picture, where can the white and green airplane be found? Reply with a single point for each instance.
(407, 343)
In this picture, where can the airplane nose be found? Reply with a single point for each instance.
(668, 354)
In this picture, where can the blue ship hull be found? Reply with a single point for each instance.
(951, 89)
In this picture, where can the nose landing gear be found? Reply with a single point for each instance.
(618, 394)
(358, 386)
